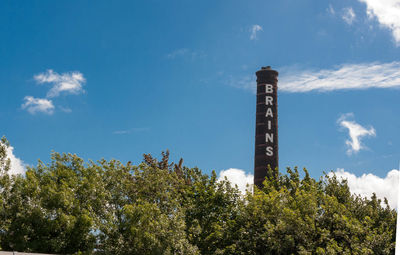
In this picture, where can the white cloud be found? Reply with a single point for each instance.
(387, 12)
(356, 133)
(34, 105)
(367, 184)
(331, 10)
(347, 76)
(238, 177)
(245, 82)
(17, 166)
(349, 16)
(61, 83)
(65, 109)
(178, 53)
(254, 29)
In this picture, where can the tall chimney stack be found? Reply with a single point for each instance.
(266, 151)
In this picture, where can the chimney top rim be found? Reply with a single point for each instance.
(266, 70)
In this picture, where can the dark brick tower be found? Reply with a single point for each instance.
(266, 151)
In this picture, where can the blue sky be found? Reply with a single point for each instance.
(117, 79)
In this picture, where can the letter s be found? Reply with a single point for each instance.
(269, 151)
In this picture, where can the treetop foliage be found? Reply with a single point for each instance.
(159, 207)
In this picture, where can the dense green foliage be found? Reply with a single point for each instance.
(158, 207)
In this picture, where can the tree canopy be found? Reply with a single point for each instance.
(157, 207)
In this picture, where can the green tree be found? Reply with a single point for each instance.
(145, 213)
(158, 207)
(294, 216)
(49, 209)
(5, 186)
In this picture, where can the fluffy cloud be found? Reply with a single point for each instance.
(238, 177)
(34, 105)
(348, 76)
(387, 13)
(70, 83)
(349, 16)
(356, 133)
(17, 165)
(367, 184)
(254, 29)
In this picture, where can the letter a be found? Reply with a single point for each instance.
(269, 113)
